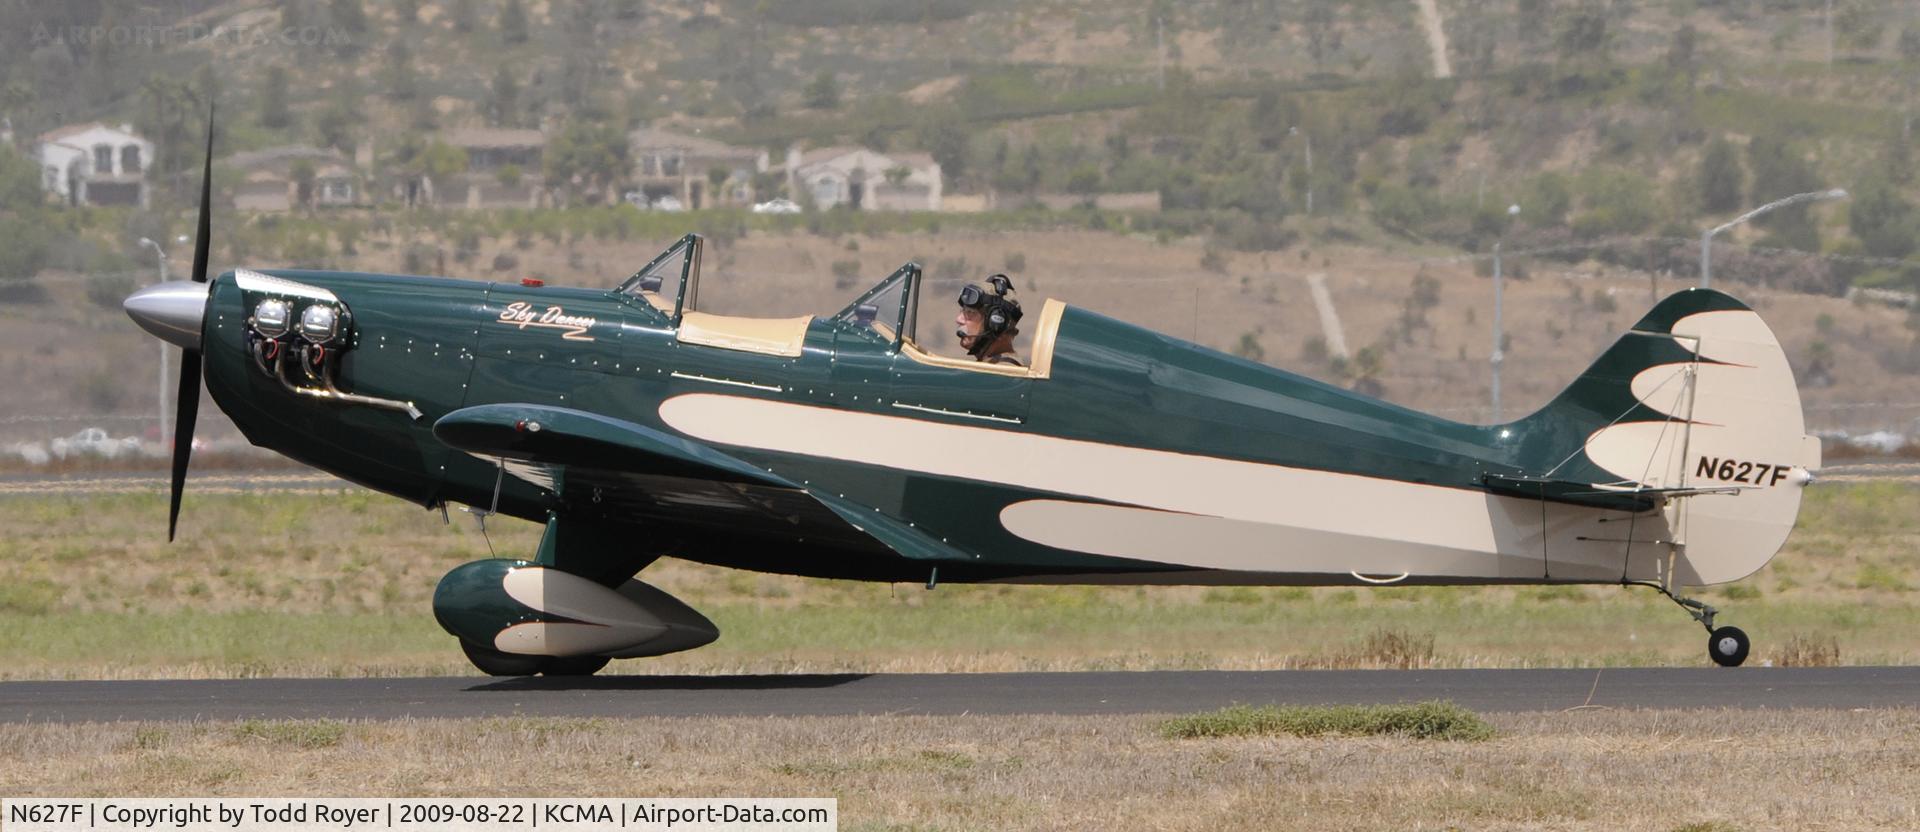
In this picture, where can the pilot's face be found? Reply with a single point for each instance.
(970, 323)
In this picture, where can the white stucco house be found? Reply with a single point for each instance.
(865, 180)
(95, 164)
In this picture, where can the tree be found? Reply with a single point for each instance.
(170, 115)
(23, 247)
(463, 16)
(946, 138)
(503, 98)
(823, 92)
(1546, 200)
(1779, 171)
(336, 122)
(1909, 47)
(1584, 31)
(1682, 61)
(1720, 177)
(1322, 23)
(24, 231)
(1531, 19)
(580, 80)
(513, 22)
(1882, 220)
(350, 15)
(438, 160)
(587, 155)
(1084, 179)
(350, 18)
(274, 113)
(402, 83)
(1856, 26)
(19, 181)
(302, 173)
(407, 10)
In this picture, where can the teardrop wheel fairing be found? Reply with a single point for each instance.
(496, 663)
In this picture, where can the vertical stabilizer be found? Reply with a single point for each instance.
(1697, 395)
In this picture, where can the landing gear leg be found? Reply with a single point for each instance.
(1727, 646)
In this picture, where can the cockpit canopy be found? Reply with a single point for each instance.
(886, 314)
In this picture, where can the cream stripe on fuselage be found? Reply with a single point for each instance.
(1344, 521)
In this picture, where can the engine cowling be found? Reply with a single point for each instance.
(528, 609)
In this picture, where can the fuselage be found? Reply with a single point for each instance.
(1136, 457)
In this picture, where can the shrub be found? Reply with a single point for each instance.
(322, 734)
(23, 248)
(1402, 208)
(108, 289)
(845, 273)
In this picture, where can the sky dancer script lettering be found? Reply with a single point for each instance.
(573, 327)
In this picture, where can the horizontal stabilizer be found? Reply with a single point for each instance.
(1593, 495)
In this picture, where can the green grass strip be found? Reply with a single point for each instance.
(1425, 721)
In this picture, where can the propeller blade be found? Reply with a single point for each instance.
(204, 240)
(187, 410)
(184, 417)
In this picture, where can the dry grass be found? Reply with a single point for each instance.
(1808, 651)
(1588, 770)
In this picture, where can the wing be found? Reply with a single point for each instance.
(651, 474)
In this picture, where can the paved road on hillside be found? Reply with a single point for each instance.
(959, 693)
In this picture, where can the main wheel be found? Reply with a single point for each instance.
(575, 665)
(495, 663)
(1728, 646)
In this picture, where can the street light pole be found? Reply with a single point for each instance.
(1706, 239)
(161, 256)
(1499, 355)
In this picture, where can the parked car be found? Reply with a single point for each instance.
(777, 206)
(668, 203)
(93, 442)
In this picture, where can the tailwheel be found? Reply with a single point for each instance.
(496, 663)
(1728, 646)
(576, 665)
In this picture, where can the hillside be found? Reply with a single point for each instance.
(1620, 129)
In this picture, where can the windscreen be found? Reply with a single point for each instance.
(662, 281)
(885, 312)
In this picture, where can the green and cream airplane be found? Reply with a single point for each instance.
(636, 426)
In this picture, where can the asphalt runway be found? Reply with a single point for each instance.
(957, 693)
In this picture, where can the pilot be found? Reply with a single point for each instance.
(987, 320)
